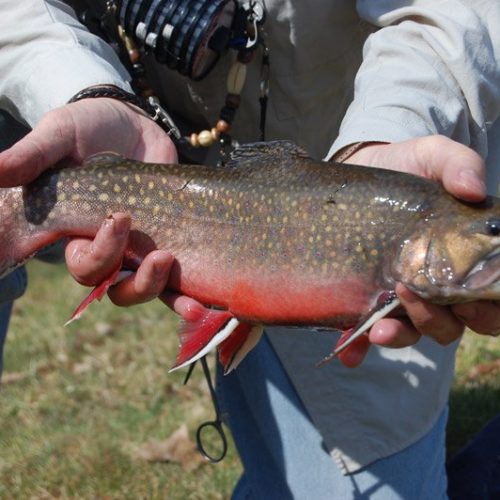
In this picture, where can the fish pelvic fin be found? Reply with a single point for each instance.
(98, 293)
(198, 337)
(354, 339)
(234, 349)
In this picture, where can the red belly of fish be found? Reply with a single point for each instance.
(282, 300)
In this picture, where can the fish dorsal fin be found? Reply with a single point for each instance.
(258, 152)
(103, 158)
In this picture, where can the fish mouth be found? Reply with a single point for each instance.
(485, 274)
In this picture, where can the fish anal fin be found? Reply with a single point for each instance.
(235, 351)
(233, 344)
(200, 335)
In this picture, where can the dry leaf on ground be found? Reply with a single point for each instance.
(178, 448)
(483, 369)
(13, 377)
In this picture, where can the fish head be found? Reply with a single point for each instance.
(453, 254)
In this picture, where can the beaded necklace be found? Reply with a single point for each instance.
(246, 47)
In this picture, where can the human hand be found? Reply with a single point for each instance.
(461, 171)
(74, 132)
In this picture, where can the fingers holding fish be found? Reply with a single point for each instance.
(432, 320)
(75, 131)
(481, 316)
(460, 169)
(355, 354)
(394, 332)
(186, 307)
(48, 143)
(147, 283)
(92, 261)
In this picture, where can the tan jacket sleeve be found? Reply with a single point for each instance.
(441, 61)
(47, 56)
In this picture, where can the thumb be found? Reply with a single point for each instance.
(50, 141)
(460, 169)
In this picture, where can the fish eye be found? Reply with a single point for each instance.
(493, 227)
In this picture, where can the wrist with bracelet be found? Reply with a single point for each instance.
(151, 105)
(346, 152)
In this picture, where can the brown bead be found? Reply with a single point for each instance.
(222, 126)
(215, 133)
(227, 114)
(233, 100)
(134, 55)
(141, 83)
(193, 140)
(245, 56)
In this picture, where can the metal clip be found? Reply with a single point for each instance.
(256, 13)
(162, 116)
(256, 10)
(264, 73)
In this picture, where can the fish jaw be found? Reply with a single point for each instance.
(482, 282)
(485, 274)
(454, 257)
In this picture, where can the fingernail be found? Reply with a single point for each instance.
(472, 182)
(120, 226)
(162, 266)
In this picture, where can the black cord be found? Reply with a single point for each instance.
(150, 106)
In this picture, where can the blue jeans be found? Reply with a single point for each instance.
(11, 287)
(283, 454)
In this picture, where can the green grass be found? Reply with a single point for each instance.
(79, 401)
(475, 396)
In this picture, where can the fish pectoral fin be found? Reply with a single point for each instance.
(386, 303)
(198, 337)
(234, 349)
(98, 293)
(104, 158)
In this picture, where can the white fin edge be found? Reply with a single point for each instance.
(381, 313)
(120, 277)
(253, 339)
(214, 342)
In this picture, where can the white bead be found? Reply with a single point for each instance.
(236, 78)
(205, 138)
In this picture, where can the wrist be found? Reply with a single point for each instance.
(358, 152)
(150, 106)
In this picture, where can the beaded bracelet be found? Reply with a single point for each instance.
(150, 106)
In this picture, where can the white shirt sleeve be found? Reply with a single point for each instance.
(47, 56)
(433, 66)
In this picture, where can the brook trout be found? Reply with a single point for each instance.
(274, 237)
